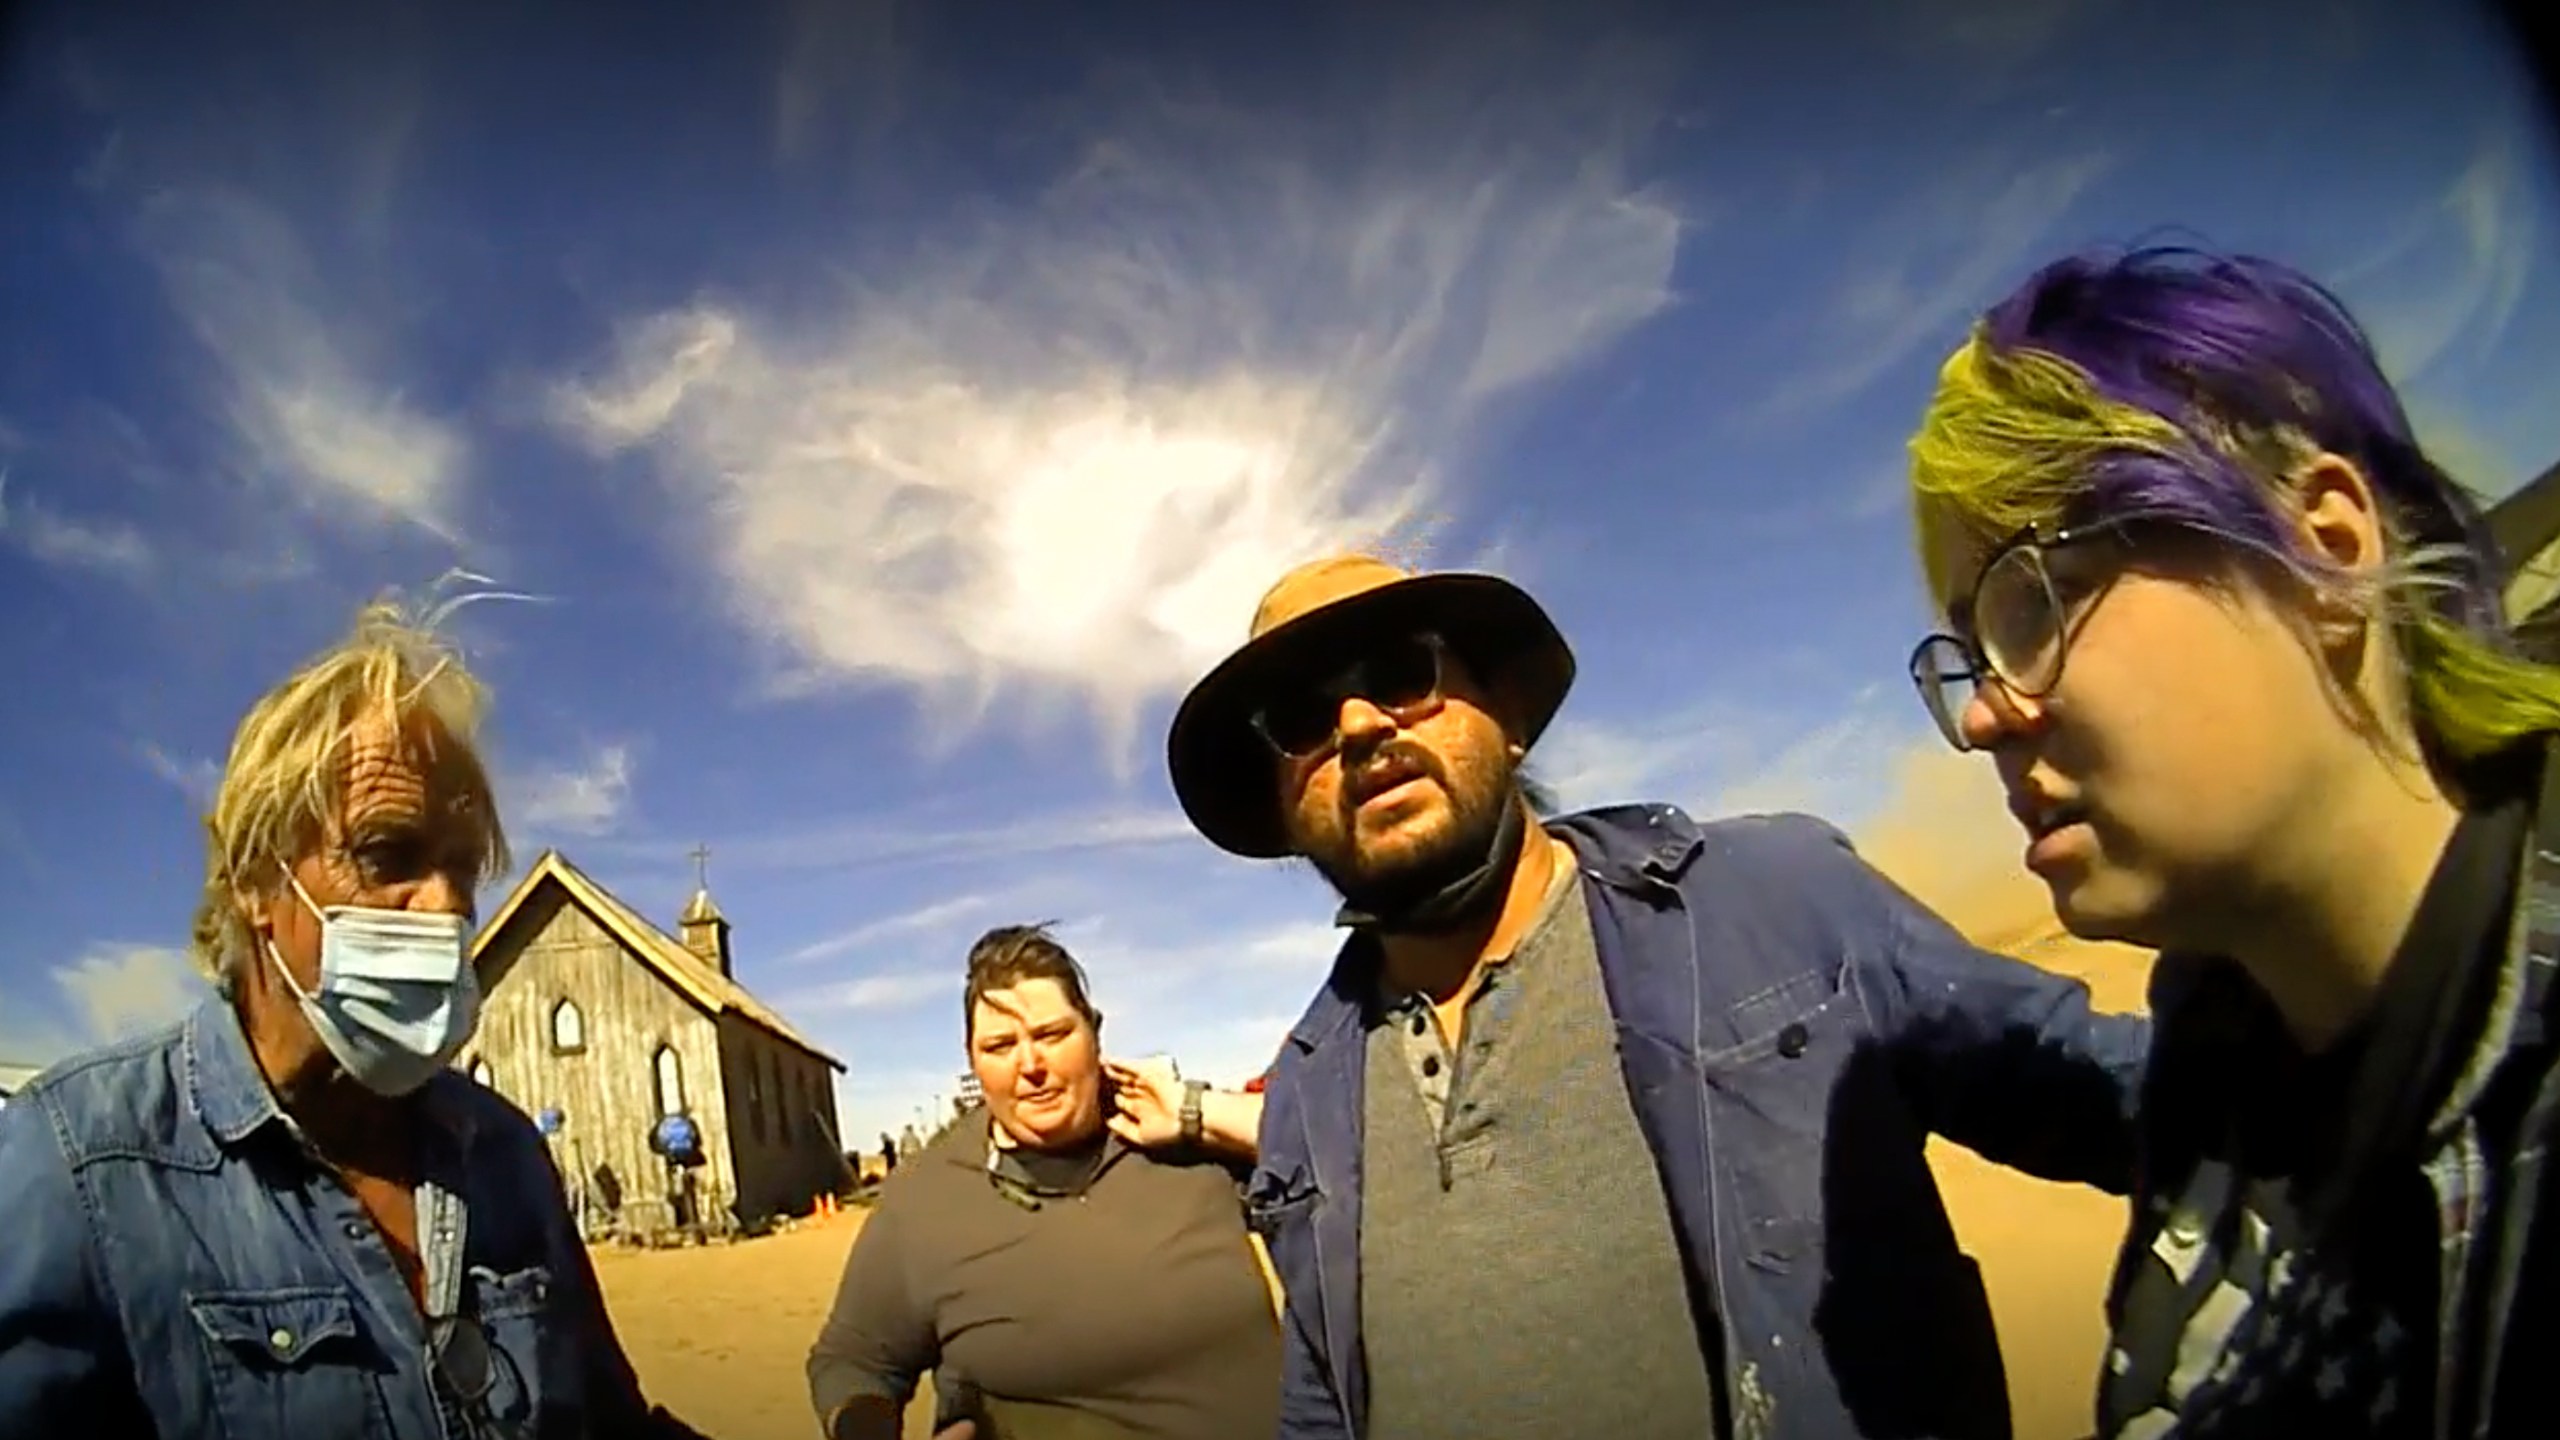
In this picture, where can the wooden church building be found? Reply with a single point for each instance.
(607, 1025)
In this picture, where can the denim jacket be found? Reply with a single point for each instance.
(1792, 1028)
(177, 1263)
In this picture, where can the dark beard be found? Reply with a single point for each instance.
(1455, 882)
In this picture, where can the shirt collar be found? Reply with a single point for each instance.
(231, 1094)
(1387, 1001)
(233, 1098)
(2333, 1118)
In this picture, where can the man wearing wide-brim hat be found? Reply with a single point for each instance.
(1610, 1124)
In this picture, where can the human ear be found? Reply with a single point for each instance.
(257, 906)
(2336, 515)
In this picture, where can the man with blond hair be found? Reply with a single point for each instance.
(285, 1215)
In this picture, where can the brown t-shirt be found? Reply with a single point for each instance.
(1134, 1309)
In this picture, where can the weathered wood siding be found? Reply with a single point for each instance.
(555, 951)
(778, 1094)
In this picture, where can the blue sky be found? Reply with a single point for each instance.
(896, 405)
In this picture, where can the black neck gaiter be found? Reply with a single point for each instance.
(1462, 901)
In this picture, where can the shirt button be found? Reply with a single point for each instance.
(1430, 1064)
(1421, 1024)
(280, 1340)
(355, 1229)
(1792, 1041)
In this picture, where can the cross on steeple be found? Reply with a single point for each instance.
(701, 867)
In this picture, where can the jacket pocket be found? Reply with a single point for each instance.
(1776, 1099)
(531, 1356)
(1270, 1211)
(288, 1361)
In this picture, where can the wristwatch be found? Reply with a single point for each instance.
(1192, 1090)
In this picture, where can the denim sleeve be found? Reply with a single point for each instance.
(1307, 1407)
(614, 1402)
(615, 1405)
(63, 1366)
(2005, 1058)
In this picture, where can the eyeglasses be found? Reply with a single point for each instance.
(1401, 675)
(2015, 626)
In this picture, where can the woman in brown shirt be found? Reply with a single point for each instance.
(1056, 1280)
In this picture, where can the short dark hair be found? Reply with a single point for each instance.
(1008, 955)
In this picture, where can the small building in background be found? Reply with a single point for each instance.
(2527, 527)
(607, 1026)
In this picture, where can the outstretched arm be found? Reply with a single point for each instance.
(1146, 1111)
(2005, 1058)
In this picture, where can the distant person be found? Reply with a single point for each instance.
(1056, 1281)
(1610, 1125)
(2237, 647)
(888, 1154)
(285, 1216)
(908, 1141)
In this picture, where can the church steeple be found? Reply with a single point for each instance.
(706, 930)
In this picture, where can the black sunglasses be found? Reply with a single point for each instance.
(1400, 674)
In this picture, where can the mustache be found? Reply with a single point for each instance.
(1392, 760)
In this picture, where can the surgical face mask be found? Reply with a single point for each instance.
(397, 999)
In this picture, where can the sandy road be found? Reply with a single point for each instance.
(718, 1334)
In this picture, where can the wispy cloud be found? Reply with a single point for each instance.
(1720, 757)
(2448, 282)
(197, 779)
(899, 990)
(308, 392)
(108, 547)
(589, 798)
(112, 991)
(1059, 455)
(925, 919)
(1839, 769)
(914, 841)
(118, 990)
(1927, 263)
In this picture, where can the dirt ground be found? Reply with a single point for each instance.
(719, 1334)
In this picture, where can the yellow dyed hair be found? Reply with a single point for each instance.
(2009, 440)
(2012, 439)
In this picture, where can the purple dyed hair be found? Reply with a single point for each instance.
(2255, 349)
(2173, 383)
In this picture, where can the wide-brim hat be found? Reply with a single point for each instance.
(1222, 767)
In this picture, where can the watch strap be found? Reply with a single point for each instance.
(1192, 1090)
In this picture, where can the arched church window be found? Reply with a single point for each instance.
(670, 1081)
(568, 1028)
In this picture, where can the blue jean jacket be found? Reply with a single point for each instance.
(176, 1263)
(1792, 1028)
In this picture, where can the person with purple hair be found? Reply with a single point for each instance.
(2238, 649)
